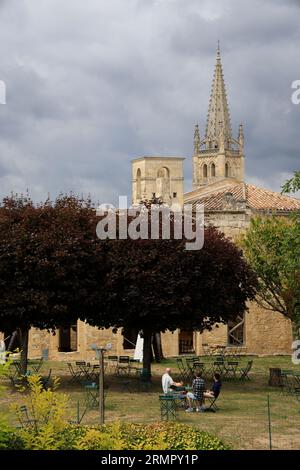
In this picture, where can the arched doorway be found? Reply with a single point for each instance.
(67, 338)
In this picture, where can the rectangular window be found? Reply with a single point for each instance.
(68, 338)
(236, 331)
(186, 342)
(129, 338)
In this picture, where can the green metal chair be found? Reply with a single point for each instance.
(113, 363)
(179, 399)
(183, 370)
(46, 380)
(231, 369)
(289, 384)
(24, 418)
(36, 364)
(244, 371)
(92, 395)
(297, 393)
(79, 416)
(126, 384)
(199, 367)
(218, 366)
(123, 366)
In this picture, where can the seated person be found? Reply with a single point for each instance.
(214, 392)
(168, 383)
(197, 394)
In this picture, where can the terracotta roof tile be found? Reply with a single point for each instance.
(251, 196)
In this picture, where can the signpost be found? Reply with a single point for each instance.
(269, 421)
(100, 351)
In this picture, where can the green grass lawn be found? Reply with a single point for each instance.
(241, 421)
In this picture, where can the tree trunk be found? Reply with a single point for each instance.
(275, 379)
(147, 353)
(157, 347)
(24, 334)
(295, 330)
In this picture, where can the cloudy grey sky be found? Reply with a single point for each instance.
(92, 84)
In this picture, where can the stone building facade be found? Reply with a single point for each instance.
(229, 204)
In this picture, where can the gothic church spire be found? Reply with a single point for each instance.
(218, 119)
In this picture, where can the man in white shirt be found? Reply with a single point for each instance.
(2, 352)
(167, 382)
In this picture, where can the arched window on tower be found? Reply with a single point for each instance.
(138, 184)
(205, 171)
(163, 184)
(226, 169)
(213, 170)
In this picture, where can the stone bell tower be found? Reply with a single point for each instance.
(218, 155)
(157, 177)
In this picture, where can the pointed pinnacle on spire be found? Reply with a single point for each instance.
(196, 140)
(218, 51)
(241, 130)
(241, 138)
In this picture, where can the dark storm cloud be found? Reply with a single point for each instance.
(91, 85)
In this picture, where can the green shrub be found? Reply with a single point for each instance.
(119, 436)
(70, 437)
(5, 436)
(47, 412)
(9, 439)
(101, 439)
(168, 436)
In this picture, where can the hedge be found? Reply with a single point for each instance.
(118, 436)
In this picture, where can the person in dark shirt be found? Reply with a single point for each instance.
(214, 392)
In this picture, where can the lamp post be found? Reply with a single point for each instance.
(100, 351)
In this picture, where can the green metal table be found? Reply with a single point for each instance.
(92, 395)
(168, 408)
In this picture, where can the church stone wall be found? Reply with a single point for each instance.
(86, 337)
(266, 333)
(232, 222)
